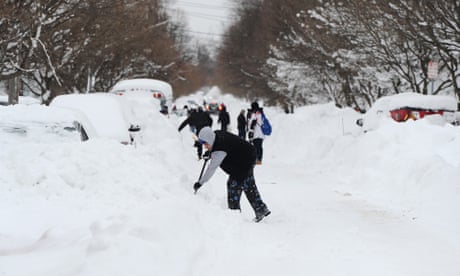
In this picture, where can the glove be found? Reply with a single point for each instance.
(196, 186)
(251, 134)
(207, 155)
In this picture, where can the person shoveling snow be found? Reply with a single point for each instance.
(237, 158)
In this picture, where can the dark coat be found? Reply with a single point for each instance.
(242, 122)
(197, 120)
(241, 155)
(224, 118)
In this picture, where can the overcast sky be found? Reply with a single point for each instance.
(206, 19)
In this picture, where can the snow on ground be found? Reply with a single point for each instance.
(343, 202)
(21, 99)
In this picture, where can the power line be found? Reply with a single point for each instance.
(212, 17)
(204, 33)
(214, 34)
(204, 15)
(204, 6)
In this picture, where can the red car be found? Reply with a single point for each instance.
(406, 113)
(405, 106)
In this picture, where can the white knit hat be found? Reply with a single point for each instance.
(207, 135)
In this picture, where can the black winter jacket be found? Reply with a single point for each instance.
(197, 119)
(241, 155)
(224, 118)
(242, 122)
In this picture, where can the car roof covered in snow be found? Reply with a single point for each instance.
(21, 100)
(415, 100)
(38, 116)
(108, 113)
(41, 113)
(150, 85)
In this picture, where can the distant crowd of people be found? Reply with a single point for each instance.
(248, 124)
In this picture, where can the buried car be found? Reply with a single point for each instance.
(109, 114)
(186, 108)
(43, 124)
(409, 105)
(21, 100)
(213, 107)
(156, 89)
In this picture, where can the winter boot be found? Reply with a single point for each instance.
(261, 214)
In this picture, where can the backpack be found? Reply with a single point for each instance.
(266, 126)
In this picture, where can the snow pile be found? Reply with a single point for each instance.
(411, 167)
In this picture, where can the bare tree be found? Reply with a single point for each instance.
(242, 58)
(64, 46)
(22, 45)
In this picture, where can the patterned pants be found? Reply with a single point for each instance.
(235, 188)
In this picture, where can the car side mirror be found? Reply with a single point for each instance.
(134, 128)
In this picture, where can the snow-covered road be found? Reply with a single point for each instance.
(343, 203)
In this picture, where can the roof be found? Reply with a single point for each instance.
(22, 100)
(36, 116)
(39, 113)
(151, 85)
(415, 100)
(107, 113)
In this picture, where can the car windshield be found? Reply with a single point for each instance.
(39, 132)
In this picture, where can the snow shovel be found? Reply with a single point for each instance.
(202, 170)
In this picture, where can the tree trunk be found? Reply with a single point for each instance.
(14, 88)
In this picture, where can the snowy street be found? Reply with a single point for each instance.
(329, 232)
(229, 138)
(343, 202)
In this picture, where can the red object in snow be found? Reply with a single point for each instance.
(404, 114)
(400, 115)
(424, 113)
(157, 95)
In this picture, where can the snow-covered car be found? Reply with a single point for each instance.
(42, 124)
(185, 109)
(409, 105)
(21, 100)
(457, 118)
(157, 89)
(213, 107)
(110, 115)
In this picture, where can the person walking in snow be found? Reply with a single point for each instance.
(236, 157)
(197, 120)
(255, 134)
(242, 125)
(224, 118)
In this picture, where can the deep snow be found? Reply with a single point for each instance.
(343, 202)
